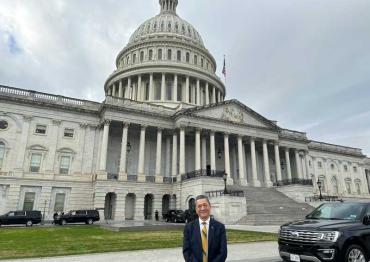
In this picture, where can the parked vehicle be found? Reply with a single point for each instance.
(174, 215)
(190, 215)
(77, 216)
(336, 231)
(27, 218)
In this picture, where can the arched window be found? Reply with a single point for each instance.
(334, 183)
(178, 55)
(134, 58)
(358, 186)
(187, 57)
(169, 54)
(159, 54)
(323, 185)
(150, 55)
(2, 154)
(348, 183)
(195, 59)
(201, 62)
(141, 56)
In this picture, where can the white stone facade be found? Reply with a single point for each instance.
(163, 135)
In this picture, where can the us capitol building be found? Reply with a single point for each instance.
(163, 135)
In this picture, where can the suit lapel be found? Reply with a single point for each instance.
(210, 232)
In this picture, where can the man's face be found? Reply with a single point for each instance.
(203, 209)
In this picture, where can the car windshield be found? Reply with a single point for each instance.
(338, 211)
(179, 211)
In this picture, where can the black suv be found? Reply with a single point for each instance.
(190, 215)
(27, 218)
(77, 216)
(174, 215)
(337, 231)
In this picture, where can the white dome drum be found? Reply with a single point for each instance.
(165, 62)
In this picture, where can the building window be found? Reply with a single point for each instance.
(319, 164)
(141, 56)
(158, 87)
(128, 60)
(65, 162)
(2, 154)
(35, 162)
(147, 91)
(134, 58)
(29, 200)
(169, 54)
(169, 90)
(40, 129)
(59, 202)
(3, 125)
(309, 163)
(202, 62)
(179, 92)
(68, 132)
(159, 54)
(187, 57)
(348, 186)
(332, 166)
(345, 168)
(179, 55)
(355, 169)
(358, 188)
(195, 60)
(150, 55)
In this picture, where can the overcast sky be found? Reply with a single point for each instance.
(304, 63)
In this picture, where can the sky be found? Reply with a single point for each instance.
(305, 64)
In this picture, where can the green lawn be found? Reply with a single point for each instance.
(17, 242)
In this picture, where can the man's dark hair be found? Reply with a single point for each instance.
(202, 197)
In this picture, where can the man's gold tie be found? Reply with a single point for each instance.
(204, 241)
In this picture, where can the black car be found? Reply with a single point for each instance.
(27, 218)
(336, 231)
(77, 216)
(174, 215)
(190, 215)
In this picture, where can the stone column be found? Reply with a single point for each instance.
(139, 89)
(207, 94)
(22, 144)
(158, 162)
(307, 166)
(197, 149)
(163, 87)
(288, 168)
(151, 88)
(198, 92)
(120, 89)
(204, 152)
(298, 162)
(141, 161)
(277, 162)
(122, 170)
(255, 182)
(174, 154)
(53, 145)
(266, 165)
(227, 159)
(113, 90)
(214, 95)
(168, 157)
(219, 96)
(128, 89)
(174, 98)
(212, 150)
(242, 177)
(104, 146)
(187, 85)
(182, 152)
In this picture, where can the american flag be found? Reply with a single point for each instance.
(224, 68)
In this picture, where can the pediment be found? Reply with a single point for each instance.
(235, 112)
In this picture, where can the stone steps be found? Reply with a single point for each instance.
(267, 206)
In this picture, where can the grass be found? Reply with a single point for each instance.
(17, 242)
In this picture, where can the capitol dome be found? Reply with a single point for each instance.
(165, 62)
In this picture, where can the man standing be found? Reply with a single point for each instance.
(204, 238)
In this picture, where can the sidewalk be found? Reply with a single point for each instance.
(251, 252)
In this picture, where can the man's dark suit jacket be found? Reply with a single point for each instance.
(192, 245)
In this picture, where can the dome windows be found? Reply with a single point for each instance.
(169, 54)
(187, 57)
(159, 54)
(195, 59)
(179, 56)
(150, 55)
(134, 58)
(141, 56)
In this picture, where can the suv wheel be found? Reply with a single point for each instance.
(29, 223)
(355, 253)
(89, 221)
(64, 222)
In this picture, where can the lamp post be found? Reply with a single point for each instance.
(319, 184)
(225, 178)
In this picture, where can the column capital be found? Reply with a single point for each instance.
(198, 129)
(84, 125)
(160, 129)
(105, 122)
(252, 138)
(226, 133)
(126, 124)
(143, 127)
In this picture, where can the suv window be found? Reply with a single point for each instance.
(346, 211)
(19, 213)
(80, 212)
